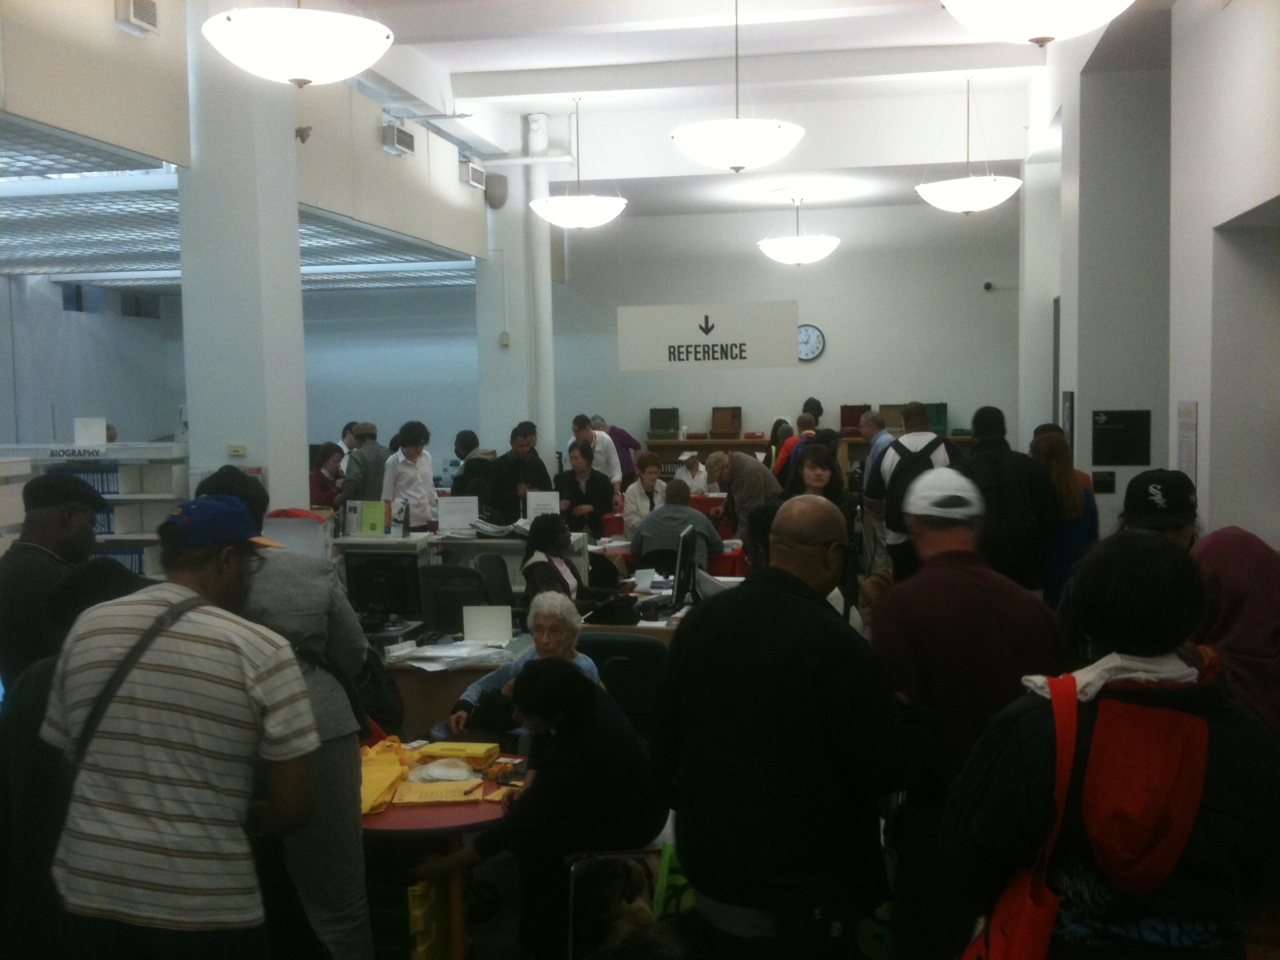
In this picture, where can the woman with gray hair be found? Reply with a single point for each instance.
(555, 624)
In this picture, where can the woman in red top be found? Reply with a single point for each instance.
(326, 477)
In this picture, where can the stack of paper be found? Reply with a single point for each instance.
(452, 791)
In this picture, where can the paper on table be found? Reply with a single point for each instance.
(488, 626)
(456, 513)
(446, 651)
(497, 795)
(457, 791)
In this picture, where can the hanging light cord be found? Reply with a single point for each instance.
(968, 101)
(577, 138)
(797, 203)
(737, 113)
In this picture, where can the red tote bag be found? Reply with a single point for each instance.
(1021, 925)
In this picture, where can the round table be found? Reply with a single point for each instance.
(440, 821)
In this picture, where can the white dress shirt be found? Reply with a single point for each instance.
(405, 480)
(697, 482)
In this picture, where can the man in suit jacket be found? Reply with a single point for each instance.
(366, 465)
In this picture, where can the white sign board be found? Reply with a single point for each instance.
(456, 513)
(539, 502)
(697, 337)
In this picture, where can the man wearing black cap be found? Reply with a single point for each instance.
(57, 533)
(1163, 501)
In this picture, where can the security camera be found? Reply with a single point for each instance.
(987, 285)
(302, 133)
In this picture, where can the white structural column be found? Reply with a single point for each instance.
(241, 279)
(538, 245)
(1039, 282)
(502, 307)
(1123, 291)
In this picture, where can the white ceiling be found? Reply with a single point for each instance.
(878, 84)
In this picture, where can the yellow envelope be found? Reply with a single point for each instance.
(447, 791)
(378, 779)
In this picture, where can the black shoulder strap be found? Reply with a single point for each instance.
(902, 448)
(162, 623)
(931, 446)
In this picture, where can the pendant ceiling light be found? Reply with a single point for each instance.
(292, 45)
(577, 210)
(1034, 21)
(800, 249)
(968, 194)
(737, 144)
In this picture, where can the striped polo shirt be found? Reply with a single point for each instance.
(154, 832)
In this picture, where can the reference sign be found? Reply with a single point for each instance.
(708, 336)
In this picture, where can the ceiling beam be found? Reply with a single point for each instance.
(776, 70)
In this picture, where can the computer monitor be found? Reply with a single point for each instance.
(384, 585)
(683, 590)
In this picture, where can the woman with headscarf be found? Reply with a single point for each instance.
(1242, 579)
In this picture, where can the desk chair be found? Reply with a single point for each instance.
(497, 579)
(446, 589)
(630, 666)
(663, 561)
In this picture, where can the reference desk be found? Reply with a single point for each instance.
(461, 550)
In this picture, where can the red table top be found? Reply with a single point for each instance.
(436, 819)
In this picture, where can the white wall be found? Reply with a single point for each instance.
(388, 356)
(67, 365)
(900, 301)
(1123, 292)
(1246, 344)
(1225, 161)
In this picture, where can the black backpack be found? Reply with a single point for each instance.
(911, 463)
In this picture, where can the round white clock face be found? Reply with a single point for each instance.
(812, 342)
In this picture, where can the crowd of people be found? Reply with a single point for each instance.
(874, 716)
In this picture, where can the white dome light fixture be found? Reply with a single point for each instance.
(968, 194)
(737, 144)
(576, 209)
(800, 249)
(292, 45)
(1034, 21)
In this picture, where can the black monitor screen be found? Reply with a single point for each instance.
(384, 584)
(682, 590)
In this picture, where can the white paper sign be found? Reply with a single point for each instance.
(90, 431)
(708, 336)
(456, 513)
(540, 502)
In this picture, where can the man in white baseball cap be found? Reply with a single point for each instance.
(956, 637)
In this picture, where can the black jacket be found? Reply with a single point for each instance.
(1024, 515)
(1000, 810)
(599, 494)
(773, 736)
(506, 474)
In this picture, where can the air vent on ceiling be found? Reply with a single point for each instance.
(396, 140)
(138, 17)
(471, 174)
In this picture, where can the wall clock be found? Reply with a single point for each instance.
(812, 342)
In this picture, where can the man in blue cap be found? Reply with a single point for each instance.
(57, 534)
(154, 858)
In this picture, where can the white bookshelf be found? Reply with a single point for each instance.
(141, 481)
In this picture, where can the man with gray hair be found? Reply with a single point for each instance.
(956, 637)
(774, 658)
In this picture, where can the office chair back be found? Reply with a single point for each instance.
(446, 589)
(497, 578)
(662, 561)
(630, 666)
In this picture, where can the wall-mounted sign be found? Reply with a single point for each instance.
(708, 336)
(1122, 438)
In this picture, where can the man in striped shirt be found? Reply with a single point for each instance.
(207, 737)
